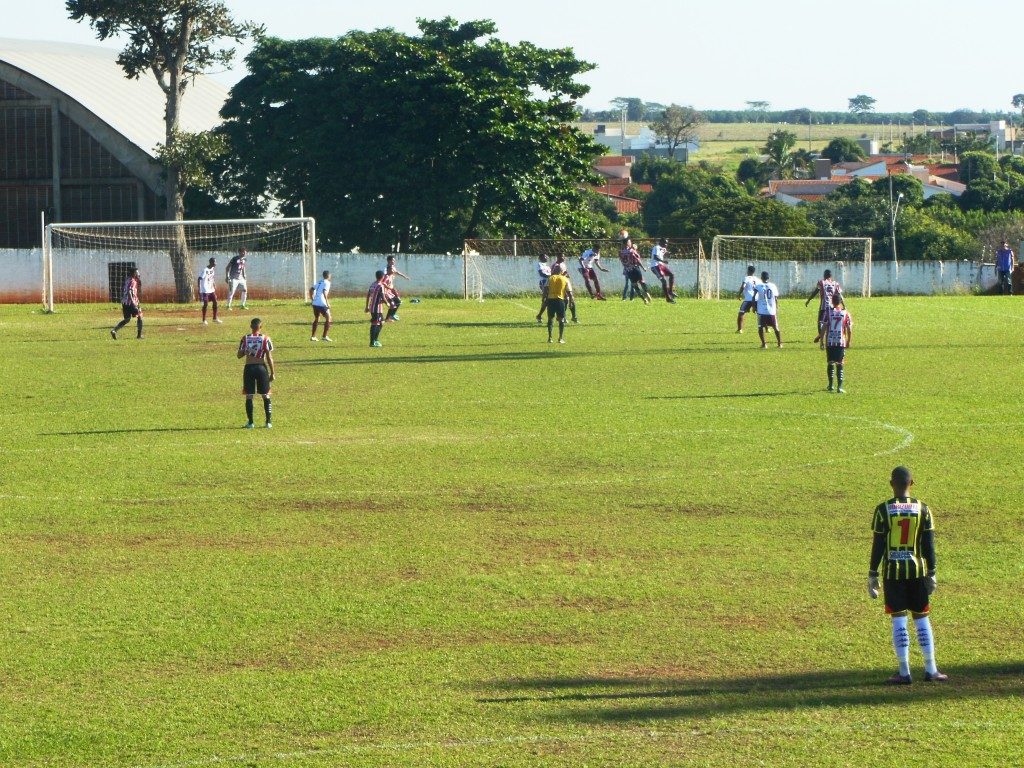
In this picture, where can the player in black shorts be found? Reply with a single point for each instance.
(904, 549)
(258, 374)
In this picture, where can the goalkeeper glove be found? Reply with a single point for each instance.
(873, 586)
(930, 582)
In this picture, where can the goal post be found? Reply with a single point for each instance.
(794, 263)
(88, 262)
(506, 267)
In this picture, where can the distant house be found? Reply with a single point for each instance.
(799, 191)
(617, 171)
(1004, 135)
(936, 178)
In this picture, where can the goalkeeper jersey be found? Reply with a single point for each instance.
(903, 522)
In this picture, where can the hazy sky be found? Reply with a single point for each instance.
(908, 54)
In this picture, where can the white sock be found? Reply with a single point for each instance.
(901, 642)
(926, 640)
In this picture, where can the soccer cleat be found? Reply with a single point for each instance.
(248, 425)
(739, 330)
(780, 345)
(830, 388)
(575, 321)
(312, 338)
(561, 341)
(841, 391)
(764, 346)
(539, 320)
(205, 323)
(899, 679)
(268, 425)
(376, 344)
(140, 337)
(113, 333)
(326, 338)
(937, 677)
(396, 318)
(671, 300)
(550, 340)
(218, 321)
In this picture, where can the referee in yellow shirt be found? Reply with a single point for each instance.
(559, 294)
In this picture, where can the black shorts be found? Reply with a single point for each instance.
(394, 301)
(128, 311)
(376, 318)
(748, 305)
(835, 354)
(767, 321)
(905, 595)
(317, 311)
(556, 308)
(635, 275)
(255, 379)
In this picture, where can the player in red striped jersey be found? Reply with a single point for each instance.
(131, 304)
(827, 288)
(257, 349)
(393, 298)
(376, 300)
(837, 334)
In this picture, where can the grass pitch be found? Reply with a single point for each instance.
(647, 547)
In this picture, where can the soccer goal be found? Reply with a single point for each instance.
(496, 268)
(794, 263)
(88, 263)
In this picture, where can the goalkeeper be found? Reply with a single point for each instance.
(903, 546)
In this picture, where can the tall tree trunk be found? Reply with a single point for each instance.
(181, 263)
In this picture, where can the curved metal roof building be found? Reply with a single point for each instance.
(78, 139)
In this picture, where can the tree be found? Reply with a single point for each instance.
(754, 171)
(861, 105)
(779, 147)
(649, 168)
(911, 188)
(687, 187)
(922, 116)
(920, 144)
(175, 40)
(975, 166)
(738, 216)
(843, 150)
(414, 142)
(633, 107)
(760, 107)
(677, 126)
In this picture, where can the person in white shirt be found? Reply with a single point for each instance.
(318, 295)
(543, 274)
(767, 294)
(659, 266)
(590, 262)
(747, 297)
(208, 289)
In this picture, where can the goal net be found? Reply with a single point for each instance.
(495, 268)
(794, 263)
(88, 263)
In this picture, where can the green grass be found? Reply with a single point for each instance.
(646, 547)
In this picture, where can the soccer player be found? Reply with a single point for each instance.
(590, 262)
(838, 332)
(559, 292)
(376, 300)
(659, 267)
(131, 304)
(766, 294)
(208, 289)
(904, 545)
(634, 269)
(826, 287)
(543, 273)
(258, 374)
(564, 269)
(748, 297)
(394, 300)
(236, 277)
(318, 296)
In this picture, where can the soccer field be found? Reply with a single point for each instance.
(645, 547)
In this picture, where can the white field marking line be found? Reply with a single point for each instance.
(642, 735)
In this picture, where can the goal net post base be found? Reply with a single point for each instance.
(89, 262)
(795, 264)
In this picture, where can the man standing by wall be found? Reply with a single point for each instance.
(1005, 262)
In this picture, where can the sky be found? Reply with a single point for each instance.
(938, 55)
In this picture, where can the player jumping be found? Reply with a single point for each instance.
(838, 333)
(590, 262)
(208, 289)
(393, 297)
(903, 545)
(827, 288)
(634, 269)
(318, 299)
(767, 294)
(376, 300)
(131, 304)
(236, 277)
(258, 374)
(748, 297)
(659, 267)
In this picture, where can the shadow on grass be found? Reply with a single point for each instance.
(135, 431)
(733, 394)
(618, 699)
(546, 352)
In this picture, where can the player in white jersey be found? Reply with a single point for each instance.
(208, 289)
(543, 274)
(236, 277)
(659, 267)
(827, 288)
(766, 294)
(590, 262)
(318, 295)
(838, 332)
(748, 301)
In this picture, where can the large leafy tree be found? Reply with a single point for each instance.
(862, 105)
(173, 40)
(414, 142)
(677, 126)
(685, 188)
(843, 149)
(779, 148)
(738, 216)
